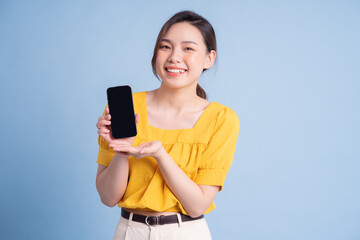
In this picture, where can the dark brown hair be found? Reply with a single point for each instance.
(196, 20)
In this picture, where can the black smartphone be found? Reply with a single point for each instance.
(122, 113)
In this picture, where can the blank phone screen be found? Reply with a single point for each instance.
(122, 112)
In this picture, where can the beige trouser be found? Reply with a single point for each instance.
(191, 230)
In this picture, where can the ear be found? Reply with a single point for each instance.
(210, 59)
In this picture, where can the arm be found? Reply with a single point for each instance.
(111, 181)
(194, 198)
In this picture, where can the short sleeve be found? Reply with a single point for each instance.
(105, 154)
(218, 156)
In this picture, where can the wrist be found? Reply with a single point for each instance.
(121, 156)
(160, 154)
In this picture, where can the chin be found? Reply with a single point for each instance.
(176, 85)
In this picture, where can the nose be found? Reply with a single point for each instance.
(175, 56)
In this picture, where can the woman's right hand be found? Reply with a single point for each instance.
(104, 130)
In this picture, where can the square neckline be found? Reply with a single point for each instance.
(198, 122)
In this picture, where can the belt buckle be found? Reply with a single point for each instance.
(147, 220)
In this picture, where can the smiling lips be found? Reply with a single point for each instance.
(175, 72)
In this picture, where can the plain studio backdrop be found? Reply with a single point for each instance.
(290, 69)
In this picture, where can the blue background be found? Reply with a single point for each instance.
(290, 69)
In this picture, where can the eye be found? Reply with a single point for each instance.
(164, 46)
(189, 49)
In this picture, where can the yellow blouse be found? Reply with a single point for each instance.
(204, 152)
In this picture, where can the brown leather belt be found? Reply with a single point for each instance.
(158, 220)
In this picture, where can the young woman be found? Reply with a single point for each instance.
(167, 177)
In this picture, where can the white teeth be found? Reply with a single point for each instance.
(175, 70)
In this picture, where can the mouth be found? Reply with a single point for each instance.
(175, 72)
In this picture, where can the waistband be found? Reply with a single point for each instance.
(158, 220)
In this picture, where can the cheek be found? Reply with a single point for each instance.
(161, 58)
(197, 63)
(158, 63)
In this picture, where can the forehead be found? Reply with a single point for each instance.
(184, 31)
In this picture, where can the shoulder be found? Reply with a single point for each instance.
(226, 121)
(225, 113)
(220, 121)
(139, 98)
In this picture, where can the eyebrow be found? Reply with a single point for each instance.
(169, 41)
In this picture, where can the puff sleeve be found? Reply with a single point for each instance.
(217, 157)
(105, 154)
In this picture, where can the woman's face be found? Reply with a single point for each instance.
(182, 56)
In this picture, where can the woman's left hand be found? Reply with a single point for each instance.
(153, 149)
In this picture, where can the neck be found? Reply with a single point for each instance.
(179, 99)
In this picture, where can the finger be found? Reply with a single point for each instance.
(122, 141)
(127, 149)
(133, 150)
(107, 110)
(114, 145)
(103, 131)
(99, 125)
(107, 117)
(102, 124)
(144, 151)
(143, 145)
(105, 122)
